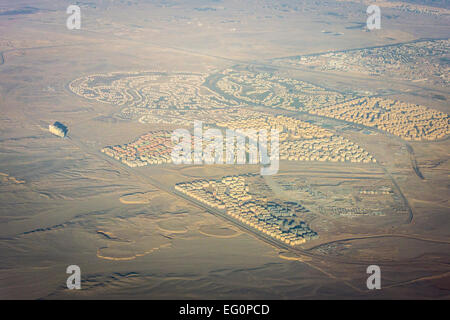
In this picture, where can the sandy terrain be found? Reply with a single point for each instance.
(64, 202)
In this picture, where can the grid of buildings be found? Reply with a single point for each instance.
(186, 118)
(231, 195)
(419, 60)
(152, 148)
(406, 120)
(302, 141)
(299, 141)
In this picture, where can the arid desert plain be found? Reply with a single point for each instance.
(364, 149)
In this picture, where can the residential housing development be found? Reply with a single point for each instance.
(231, 195)
(302, 141)
(299, 141)
(151, 148)
(149, 90)
(277, 92)
(406, 120)
(415, 61)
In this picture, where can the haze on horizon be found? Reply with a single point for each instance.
(86, 135)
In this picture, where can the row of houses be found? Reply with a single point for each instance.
(231, 195)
